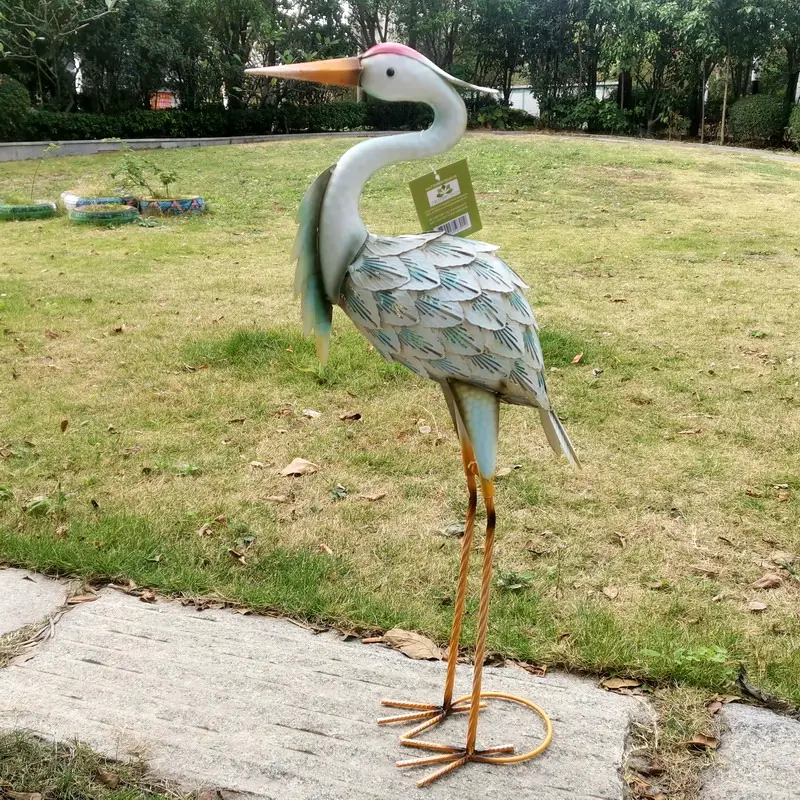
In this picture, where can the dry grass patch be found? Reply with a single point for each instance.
(175, 356)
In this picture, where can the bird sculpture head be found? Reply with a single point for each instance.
(388, 71)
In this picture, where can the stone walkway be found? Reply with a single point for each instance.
(265, 707)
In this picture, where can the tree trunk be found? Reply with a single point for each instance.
(725, 99)
(625, 90)
(703, 105)
(793, 68)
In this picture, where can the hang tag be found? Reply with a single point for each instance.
(445, 200)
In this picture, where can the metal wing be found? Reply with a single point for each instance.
(316, 308)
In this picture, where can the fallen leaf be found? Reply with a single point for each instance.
(279, 498)
(578, 358)
(371, 497)
(611, 592)
(50, 334)
(701, 741)
(373, 640)
(453, 529)
(148, 596)
(237, 556)
(109, 779)
(309, 412)
(619, 300)
(756, 606)
(753, 493)
(62, 531)
(780, 485)
(300, 467)
(237, 421)
(64, 423)
(414, 645)
(620, 683)
(7, 793)
(783, 496)
(768, 580)
(77, 599)
(351, 415)
(659, 586)
(714, 706)
(503, 471)
(257, 464)
(205, 529)
(690, 432)
(325, 549)
(425, 429)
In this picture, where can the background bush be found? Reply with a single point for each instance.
(286, 118)
(757, 118)
(794, 126)
(15, 104)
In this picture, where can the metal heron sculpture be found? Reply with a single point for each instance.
(447, 308)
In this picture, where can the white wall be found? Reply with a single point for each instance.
(523, 99)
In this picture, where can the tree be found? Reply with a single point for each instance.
(39, 35)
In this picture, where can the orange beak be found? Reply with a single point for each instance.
(334, 71)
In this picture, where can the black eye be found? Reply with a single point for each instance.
(390, 72)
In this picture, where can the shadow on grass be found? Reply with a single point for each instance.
(289, 359)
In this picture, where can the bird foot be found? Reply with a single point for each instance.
(452, 759)
(426, 714)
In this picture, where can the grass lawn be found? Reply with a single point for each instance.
(154, 381)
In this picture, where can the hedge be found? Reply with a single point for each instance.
(286, 118)
(757, 118)
(15, 104)
(794, 126)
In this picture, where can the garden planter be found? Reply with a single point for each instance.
(39, 209)
(103, 214)
(71, 200)
(151, 206)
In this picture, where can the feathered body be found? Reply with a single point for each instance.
(447, 308)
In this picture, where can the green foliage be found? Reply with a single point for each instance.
(794, 126)
(15, 103)
(757, 118)
(138, 172)
(210, 122)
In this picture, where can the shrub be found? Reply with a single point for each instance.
(612, 119)
(15, 104)
(214, 121)
(794, 126)
(757, 118)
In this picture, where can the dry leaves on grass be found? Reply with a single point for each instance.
(414, 645)
(756, 606)
(298, 467)
(354, 416)
(148, 596)
(64, 424)
(578, 358)
(109, 779)
(311, 413)
(615, 684)
(702, 741)
(611, 592)
(768, 580)
(504, 471)
(371, 497)
(11, 795)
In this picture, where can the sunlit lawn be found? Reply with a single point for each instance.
(173, 356)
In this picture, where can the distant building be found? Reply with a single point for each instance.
(523, 99)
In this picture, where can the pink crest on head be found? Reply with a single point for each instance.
(395, 48)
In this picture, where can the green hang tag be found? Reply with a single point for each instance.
(445, 200)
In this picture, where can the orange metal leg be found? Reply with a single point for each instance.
(431, 713)
(454, 757)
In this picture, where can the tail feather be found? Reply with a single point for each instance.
(558, 437)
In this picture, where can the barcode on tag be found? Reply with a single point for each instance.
(455, 225)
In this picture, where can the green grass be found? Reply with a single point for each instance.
(71, 771)
(175, 354)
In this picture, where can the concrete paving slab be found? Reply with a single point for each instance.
(262, 706)
(26, 597)
(758, 758)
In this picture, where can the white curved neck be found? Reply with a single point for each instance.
(342, 232)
